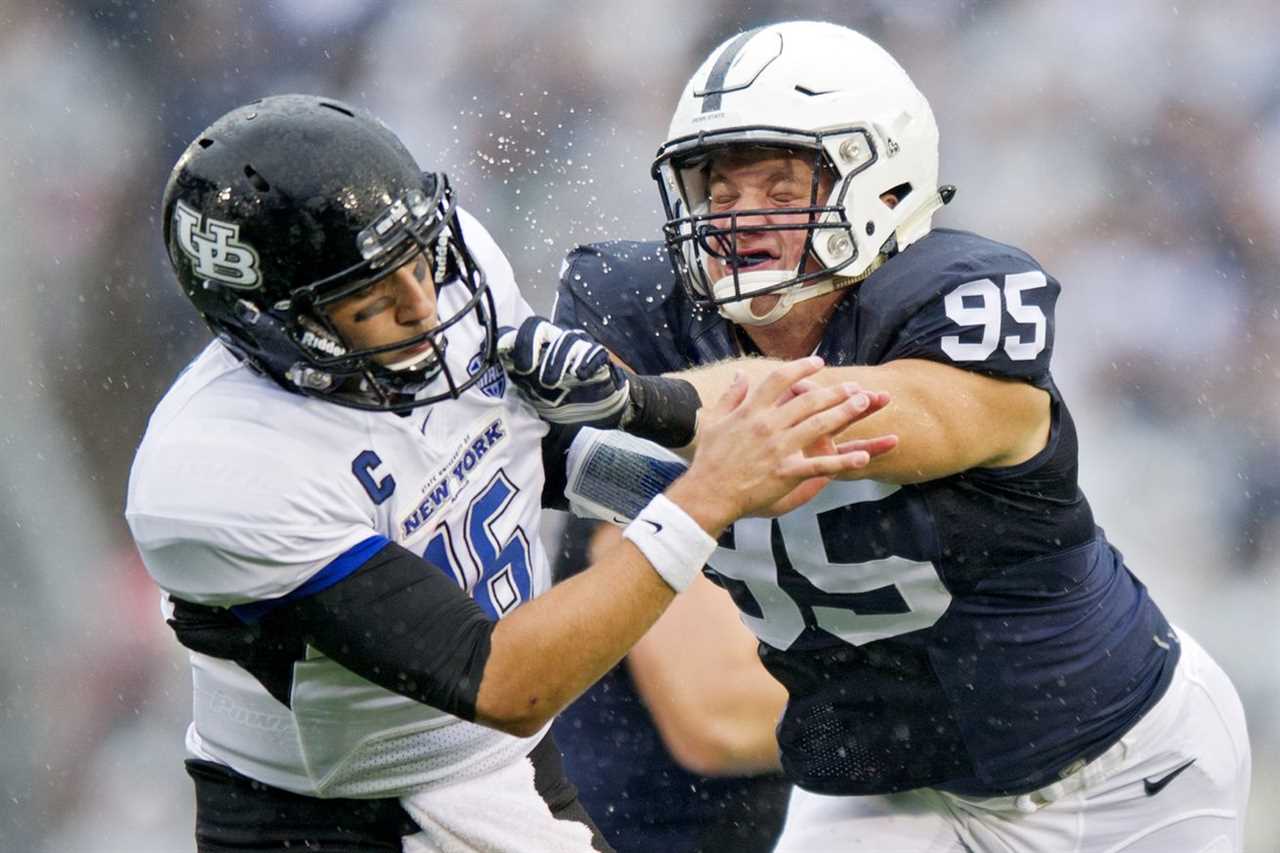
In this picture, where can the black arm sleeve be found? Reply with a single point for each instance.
(401, 623)
(398, 621)
(555, 450)
(665, 410)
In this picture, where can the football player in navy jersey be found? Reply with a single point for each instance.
(971, 666)
(340, 499)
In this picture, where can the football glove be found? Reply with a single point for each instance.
(565, 374)
(568, 377)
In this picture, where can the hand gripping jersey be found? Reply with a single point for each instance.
(243, 493)
(977, 632)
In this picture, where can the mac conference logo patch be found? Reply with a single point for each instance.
(494, 382)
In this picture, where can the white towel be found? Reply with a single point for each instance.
(499, 812)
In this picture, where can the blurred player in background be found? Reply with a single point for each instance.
(970, 664)
(674, 749)
(340, 498)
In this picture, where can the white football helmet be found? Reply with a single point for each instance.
(815, 88)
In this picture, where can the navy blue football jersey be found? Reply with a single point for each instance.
(976, 633)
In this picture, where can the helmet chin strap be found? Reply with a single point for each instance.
(739, 311)
(905, 234)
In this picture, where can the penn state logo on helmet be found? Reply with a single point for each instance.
(494, 382)
(215, 250)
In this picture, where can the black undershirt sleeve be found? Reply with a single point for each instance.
(555, 450)
(403, 624)
(397, 621)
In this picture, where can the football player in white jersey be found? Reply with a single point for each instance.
(340, 500)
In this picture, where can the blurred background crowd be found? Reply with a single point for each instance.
(1132, 147)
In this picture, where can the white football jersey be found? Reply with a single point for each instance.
(242, 491)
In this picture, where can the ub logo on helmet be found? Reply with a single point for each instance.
(215, 249)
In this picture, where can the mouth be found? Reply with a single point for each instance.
(419, 355)
(421, 346)
(754, 260)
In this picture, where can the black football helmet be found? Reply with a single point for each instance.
(291, 203)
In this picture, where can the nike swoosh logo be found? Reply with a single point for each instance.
(1155, 786)
(657, 528)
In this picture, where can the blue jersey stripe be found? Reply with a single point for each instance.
(345, 564)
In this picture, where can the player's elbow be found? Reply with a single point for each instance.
(517, 693)
(521, 715)
(710, 749)
(705, 756)
(524, 727)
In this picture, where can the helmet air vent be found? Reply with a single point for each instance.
(813, 93)
(900, 192)
(259, 183)
(338, 108)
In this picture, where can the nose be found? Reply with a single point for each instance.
(750, 221)
(415, 300)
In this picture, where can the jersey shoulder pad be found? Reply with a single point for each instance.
(227, 506)
(625, 294)
(507, 299)
(619, 277)
(963, 300)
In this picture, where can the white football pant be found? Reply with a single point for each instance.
(1103, 808)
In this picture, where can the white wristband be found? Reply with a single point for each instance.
(673, 543)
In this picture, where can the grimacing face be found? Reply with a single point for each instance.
(398, 306)
(757, 179)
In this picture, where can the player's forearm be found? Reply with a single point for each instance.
(546, 653)
(711, 380)
(947, 420)
(551, 649)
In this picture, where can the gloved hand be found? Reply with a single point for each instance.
(565, 374)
